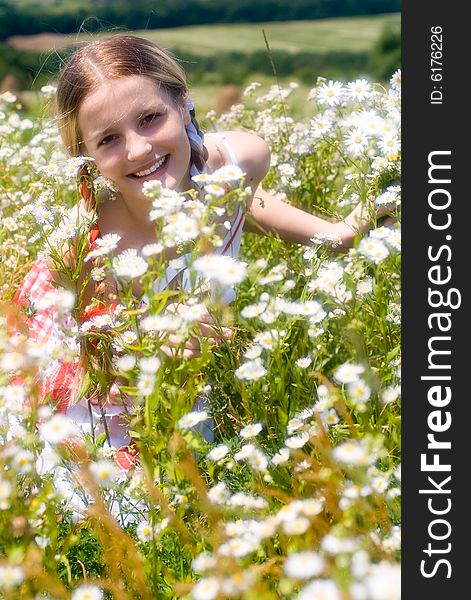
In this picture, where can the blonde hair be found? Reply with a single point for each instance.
(112, 58)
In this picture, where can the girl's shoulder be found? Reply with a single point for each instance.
(247, 150)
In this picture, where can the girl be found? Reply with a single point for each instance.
(123, 101)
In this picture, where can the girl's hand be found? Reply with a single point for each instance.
(184, 347)
(360, 220)
(387, 214)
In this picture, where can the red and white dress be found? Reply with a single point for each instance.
(56, 381)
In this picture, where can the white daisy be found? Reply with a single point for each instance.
(395, 80)
(218, 453)
(296, 526)
(149, 364)
(203, 562)
(320, 589)
(267, 339)
(251, 370)
(182, 227)
(384, 581)
(373, 249)
(358, 391)
(280, 457)
(253, 310)
(358, 90)
(219, 493)
(304, 362)
(58, 428)
(330, 93)
(87, 592)
(251, 88)
(23, 461)
(351, 453)
(389, 144)
(214, 190)
(321, 124)
(348, 372)
(104, 472)
(10, 224)
(161, 323)
(128, 264)
(356, 141)
(48, 90)
(330, 417)
(226, 174)
(297, 441)
(5, 489)
(8, 97)
(145, 531)
(223, 269)
(152, 249)
(11, 576)
(97, 273)
(251, 430)
(253, 352)
(390, 394)
(146, 383)
(303, 565)
(50, 170)
(104, 245)
(380, 483)
(125, 363)
(364, 287)
(192, 418)
(103, 182)
(258, 460)
(245, 452)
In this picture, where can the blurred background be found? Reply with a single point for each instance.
(223, 44)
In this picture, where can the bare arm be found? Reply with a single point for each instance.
(270, 214)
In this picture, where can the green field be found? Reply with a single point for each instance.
(353, 34)
(205, 97)
(323, 35)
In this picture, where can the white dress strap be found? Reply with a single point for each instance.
(171, 273)
(227, 146)
(231, 242)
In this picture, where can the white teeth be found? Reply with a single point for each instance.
(150, 169)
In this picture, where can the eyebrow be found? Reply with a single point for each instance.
(101, 133)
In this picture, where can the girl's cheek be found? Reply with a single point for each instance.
(105, 164)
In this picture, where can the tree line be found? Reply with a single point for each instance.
(18, 18)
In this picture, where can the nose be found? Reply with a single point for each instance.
(137, 146)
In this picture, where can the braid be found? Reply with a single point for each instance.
(199, 153)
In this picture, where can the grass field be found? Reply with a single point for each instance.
(205, 97)
(323, 35)
(356, 34)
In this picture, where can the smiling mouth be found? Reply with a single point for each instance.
(152, 169)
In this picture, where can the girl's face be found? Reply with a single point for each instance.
(136, 133)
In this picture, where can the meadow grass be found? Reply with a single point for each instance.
(298, 496)
(320, 36)
(206, 97)
(355, 34)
